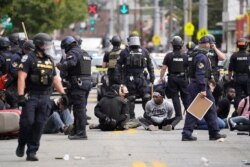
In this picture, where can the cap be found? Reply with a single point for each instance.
(159, 92)
(205, 39)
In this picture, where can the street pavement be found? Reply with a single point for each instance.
(133, 148)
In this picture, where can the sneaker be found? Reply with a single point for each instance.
(167, 127)
(153, 128)
(230, 124)
(32, 157)
(67, 129)
(218, 136)
(189, 138)
(20, 150)
(79, 136)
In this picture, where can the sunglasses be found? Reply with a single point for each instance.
(157, 94)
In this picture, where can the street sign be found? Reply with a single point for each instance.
(202, 32)
(6, 23)
(124, 9)
(189, 29)
(156, 40)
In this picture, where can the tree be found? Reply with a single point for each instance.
(43, 15)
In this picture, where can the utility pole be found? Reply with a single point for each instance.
(185, 7)
(170, 28)
(203, 14)
(111, 20)
(156, 18)
(135, 15)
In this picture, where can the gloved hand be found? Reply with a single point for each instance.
(65, 100)
(61, 66)
(21, 100)
(152, 78)
(117, 79)
(113, 123)
(107, 121)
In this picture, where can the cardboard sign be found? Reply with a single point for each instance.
(199, 106)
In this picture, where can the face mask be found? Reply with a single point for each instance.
(63, 54)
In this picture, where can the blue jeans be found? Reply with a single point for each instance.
(240, 120)
(57, 121)
(202, 124)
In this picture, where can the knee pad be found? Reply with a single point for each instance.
(146, 97)
(132, 98)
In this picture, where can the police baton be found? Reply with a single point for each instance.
(152, 89)
(25, 32)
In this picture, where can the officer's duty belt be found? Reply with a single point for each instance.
(177, 75)
(39, 92)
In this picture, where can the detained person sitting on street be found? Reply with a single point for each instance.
(158, 113)
(60, 119)
(112, 109)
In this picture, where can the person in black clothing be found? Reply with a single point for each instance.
(110, 58)
(223, 107)
(112, 109)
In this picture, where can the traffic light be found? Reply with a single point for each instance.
(92, 23)
(124, 9)
(92, 9)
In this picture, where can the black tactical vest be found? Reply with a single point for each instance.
(83, 66)
(41, 73)
(136, 59)
(241, 65)
(192, 65)
(213, 58)
(113, 55)
(177, 63)
(5, 67)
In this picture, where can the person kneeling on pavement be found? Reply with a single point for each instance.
(112, 110)
(60, 119)
(241, 122)
(158, 113)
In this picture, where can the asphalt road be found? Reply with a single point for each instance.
(133, 148)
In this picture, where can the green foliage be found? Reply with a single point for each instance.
(43, 15)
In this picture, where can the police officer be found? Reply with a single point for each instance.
(77, 65)
(133, 60)
(190, 47)
(27, 47)
(238, 68)
(16, 41)
(200, 72)
(9, 66)
(35, 78)
(176, 62)
(110, 58)
(214, 56)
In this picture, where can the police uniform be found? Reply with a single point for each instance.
(12, 62)
(40, 72)
(133, 62)
(111, 59)
(177, 67)
(200, 72)
(79, 76)
(239, 64)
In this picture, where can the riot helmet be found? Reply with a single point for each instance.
(43, 43)
(177, 42)
(16, 38)
(134, 41)
(4, 43)
(242, 43)
(68, 42)
(78, 40)
(28, 46)
(116, 41)
(212, 38)
(190, 45)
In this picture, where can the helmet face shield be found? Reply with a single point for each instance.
(134, 41)
(49, 49)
